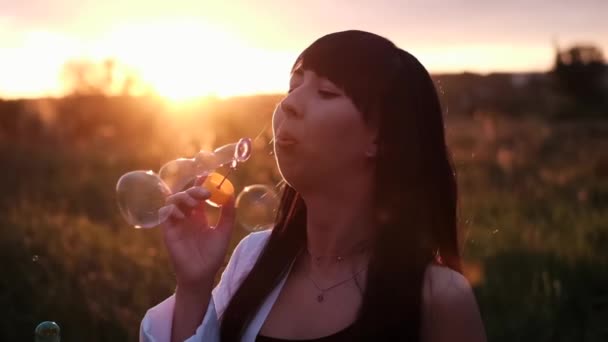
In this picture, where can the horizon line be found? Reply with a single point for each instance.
(211, 95)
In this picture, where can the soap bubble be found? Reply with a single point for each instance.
(140, 195)
(256, 207)
(242, 151)
(206, 160)
(178, 173)
(225, 154)
(234, 153)
(47, 332)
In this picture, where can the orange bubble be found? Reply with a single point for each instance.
(221, 195)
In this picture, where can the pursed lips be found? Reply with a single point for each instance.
(285, 139)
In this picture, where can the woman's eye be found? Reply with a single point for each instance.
(327, 94)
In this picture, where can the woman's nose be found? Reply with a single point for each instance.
(289, 107)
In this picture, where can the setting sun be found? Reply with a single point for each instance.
(178, 59)
(182, 60)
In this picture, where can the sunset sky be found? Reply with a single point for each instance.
(187, 48)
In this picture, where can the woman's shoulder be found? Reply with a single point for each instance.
(444, 281)
(444, 287)
(448, 301)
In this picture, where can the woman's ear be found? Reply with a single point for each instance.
(373, 130)
(372, 149)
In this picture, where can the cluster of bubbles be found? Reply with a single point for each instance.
(142, 194)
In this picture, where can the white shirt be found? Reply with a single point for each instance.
(156, 324)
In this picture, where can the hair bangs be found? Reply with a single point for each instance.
(355, 62)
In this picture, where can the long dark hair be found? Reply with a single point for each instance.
(415, 189)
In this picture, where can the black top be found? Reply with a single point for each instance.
(346, 334)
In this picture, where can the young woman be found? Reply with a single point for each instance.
(365, 243)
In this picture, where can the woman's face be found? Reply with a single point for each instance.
(320, 137)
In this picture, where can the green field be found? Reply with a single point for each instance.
(534, 200)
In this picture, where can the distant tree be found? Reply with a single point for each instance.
(108, 77)
(581, 72)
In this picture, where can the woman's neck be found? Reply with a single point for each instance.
(339, 223)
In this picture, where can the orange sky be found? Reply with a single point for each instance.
(187, 48)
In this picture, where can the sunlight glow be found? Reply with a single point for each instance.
(30, 68)
(184, 60)
(176, 59)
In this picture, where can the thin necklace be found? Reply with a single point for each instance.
(362, 247)
(322, 291)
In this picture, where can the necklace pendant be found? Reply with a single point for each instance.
(320, 298)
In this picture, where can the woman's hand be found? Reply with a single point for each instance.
(196, 249)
